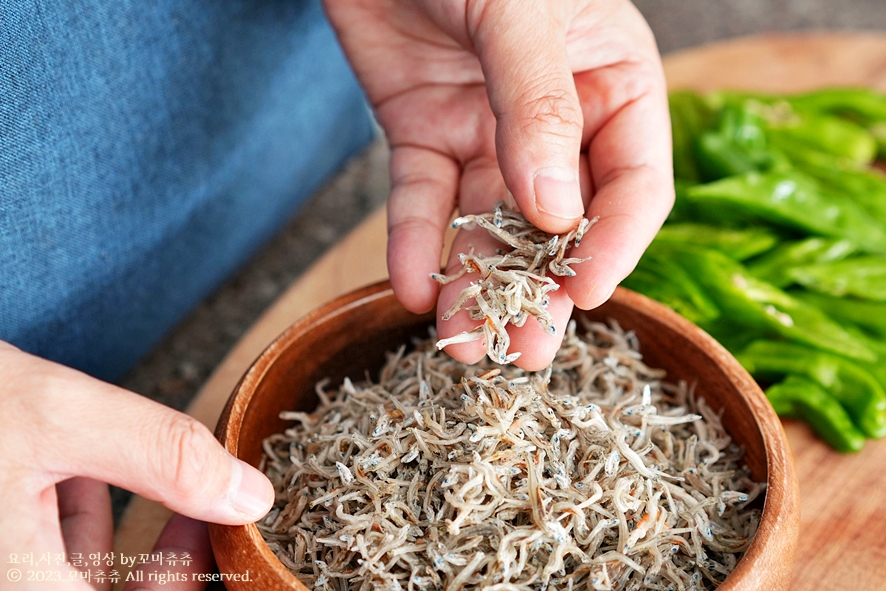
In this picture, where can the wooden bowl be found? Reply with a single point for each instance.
(351, 334)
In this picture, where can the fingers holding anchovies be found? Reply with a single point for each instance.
(504, 294)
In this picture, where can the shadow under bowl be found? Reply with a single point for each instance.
(351, 334)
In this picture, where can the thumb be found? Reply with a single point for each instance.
(522, 49)
(100, 431)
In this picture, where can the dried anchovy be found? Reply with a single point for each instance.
(593, 474)
(512, 284)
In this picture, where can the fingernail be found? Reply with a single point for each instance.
(252, 494)
(557, 192)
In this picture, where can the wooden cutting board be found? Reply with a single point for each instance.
(843, 498)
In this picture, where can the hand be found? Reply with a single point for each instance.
(563, 103)
(64, 434)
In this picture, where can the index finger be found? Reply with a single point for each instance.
(630, 162)
(111, 435)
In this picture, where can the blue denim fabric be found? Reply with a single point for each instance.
(147, 149)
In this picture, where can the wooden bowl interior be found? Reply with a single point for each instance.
(349, 338)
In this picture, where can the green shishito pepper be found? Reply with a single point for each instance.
(718, 156)
(744, 299)
(773, 267)
(850, 384)
(868, 315)
(877, 368)
(801, 398)
(736, 145)
(796, 168)
(662, 279)
(863, 277)
(865, 106)
(793, 200)
(841, 178)
(825, 133)
(690, 117)
(735, 243)
(878, 131)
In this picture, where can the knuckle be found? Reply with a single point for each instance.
(554, 112)
(192, 450)
(413, 225)
(630, 81)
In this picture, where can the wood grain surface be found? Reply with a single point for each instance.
(843, 497)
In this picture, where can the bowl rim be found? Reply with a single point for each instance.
(779, 520)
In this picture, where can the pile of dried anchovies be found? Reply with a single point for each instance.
(512, 285)
(593, 474)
